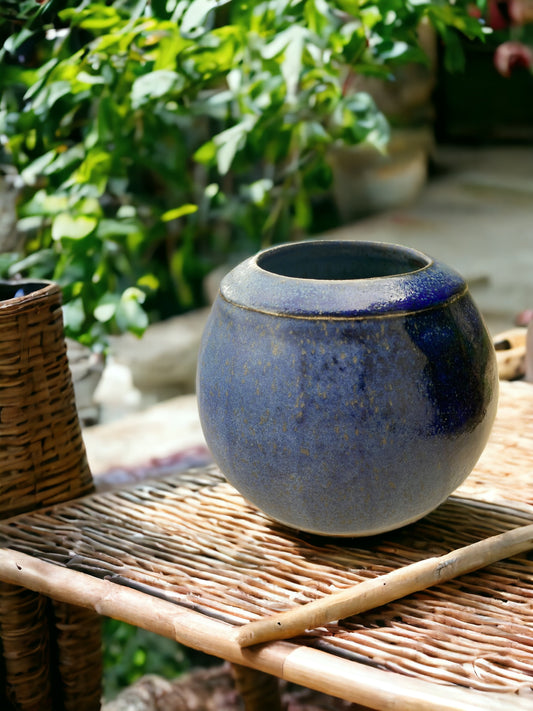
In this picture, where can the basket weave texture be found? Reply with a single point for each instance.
(26, 665)
(42, 455)
(51, 651)
(190, 538)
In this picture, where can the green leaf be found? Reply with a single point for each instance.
(313, 133)
(41, 203)
(292, 62)
(177, 266)
(95, 170)
(230, 141)
(130, 316)
(64, 159)
(91, 79)
(50, 94)
(108, 228)
(36, 168)
(370, 15)
(39, 264)
(196, 14)
(88, 206)
(170, 46)
(74, 315)
(206, 154)
(259, 190)
(106, 308)
(29, 224)
(302, 210)
(155, 85)
(36, 85)
(177, 212)
(454, 58)
(277, 45)
(13, 42)
(444, 15)
(394, 50)
(149, 282)
(66, 226)
(97, 17)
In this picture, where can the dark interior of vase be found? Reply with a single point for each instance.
(13, 290)
(341, 260)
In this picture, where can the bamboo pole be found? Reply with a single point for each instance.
(348, 680)
(386, 588)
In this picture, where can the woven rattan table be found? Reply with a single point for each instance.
(185, 556)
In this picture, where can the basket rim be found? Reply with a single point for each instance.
(40, 288)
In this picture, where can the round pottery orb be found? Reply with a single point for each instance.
(345, 388)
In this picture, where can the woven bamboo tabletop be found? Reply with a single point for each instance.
(187, 557)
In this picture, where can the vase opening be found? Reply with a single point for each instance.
(334, 260)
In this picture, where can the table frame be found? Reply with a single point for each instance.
(327, 673)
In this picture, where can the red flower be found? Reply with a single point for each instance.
(512, 55)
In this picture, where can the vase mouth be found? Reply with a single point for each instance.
(328, 260)
(340, 279)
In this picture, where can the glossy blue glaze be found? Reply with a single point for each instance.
(345, 388)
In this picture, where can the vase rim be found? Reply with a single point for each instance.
(274, 280)
(394, 252)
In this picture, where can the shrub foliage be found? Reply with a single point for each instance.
(150, 138)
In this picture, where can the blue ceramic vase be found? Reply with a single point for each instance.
(345, 388)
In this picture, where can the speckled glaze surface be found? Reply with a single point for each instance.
(345, 388)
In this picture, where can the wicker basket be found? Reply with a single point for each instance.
(42, 455)
(27, 661)
(46, 647)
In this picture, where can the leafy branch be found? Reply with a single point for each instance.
(151, 138)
